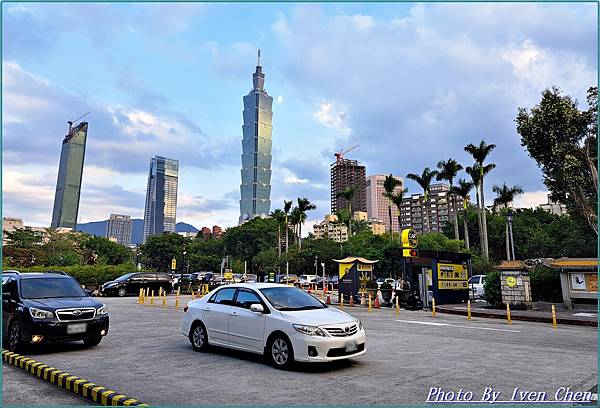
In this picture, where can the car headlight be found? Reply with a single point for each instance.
(40, 314)
(102, 310)
(309, 330)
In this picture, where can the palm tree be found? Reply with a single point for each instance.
(424, 180)
(279, 216)
(448, 170)
(475, 173)
(397, 200)
(389, 185)
(287, 206)
(480, 153)
(462, 190)
(295, 219)
(505, 196)
(303, 206)
(360, 225)
(348, 195)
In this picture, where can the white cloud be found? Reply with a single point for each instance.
(531, 199)
(331, 115)
(295, 180)
(280, 99)
(362, 22)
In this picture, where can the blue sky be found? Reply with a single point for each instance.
(411, 83)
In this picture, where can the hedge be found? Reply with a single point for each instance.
(89, 275)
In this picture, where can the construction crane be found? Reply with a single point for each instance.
(339, 156)
(70, 122)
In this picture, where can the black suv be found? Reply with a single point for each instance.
(49, 307)
(131, 283)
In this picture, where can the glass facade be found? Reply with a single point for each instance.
(70, 171)
(161, 197)
(256, 151)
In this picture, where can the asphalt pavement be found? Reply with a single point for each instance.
(145, 357)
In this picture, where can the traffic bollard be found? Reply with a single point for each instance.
(554, 324)
(164, 298)
(140, 297)
(370, 308)
(468, 310)
(192, 294)
(351, 303)
(508, 314)
(152, 297)
(342, 301)
(177, 298)
(432, 307)
(397, 307)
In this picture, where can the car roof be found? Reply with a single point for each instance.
(33, 275)
(256, 285)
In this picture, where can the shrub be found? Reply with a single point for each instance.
(545, 285)
(493, 293)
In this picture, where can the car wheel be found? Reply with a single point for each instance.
(15, 341)
(199, 337)
(280, 352)
(122, 292)
(92, 341)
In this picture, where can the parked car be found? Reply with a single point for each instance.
(306, 280)
(39, 308)
(282, 322)
(290, 278)
(476, 283)
(391, 281)
(131, 283)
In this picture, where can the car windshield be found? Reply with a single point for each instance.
(289, 298)
(124, 277)
(43, 288)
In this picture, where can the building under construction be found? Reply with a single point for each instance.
(348, 173)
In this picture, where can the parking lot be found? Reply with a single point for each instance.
(145, 357)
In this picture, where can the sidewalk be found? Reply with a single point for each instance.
(540, 313)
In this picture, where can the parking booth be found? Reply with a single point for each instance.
(578, 279)
(351, 270)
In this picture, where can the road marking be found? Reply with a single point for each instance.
(458, 325)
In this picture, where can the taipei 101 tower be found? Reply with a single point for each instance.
(256, 150)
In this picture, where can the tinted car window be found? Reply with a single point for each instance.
(137, 277)
(246, 298)
(162, 276)
(41, 288)
(124, 277)
(223, 296)
(148, 276)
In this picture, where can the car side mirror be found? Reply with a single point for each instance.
(257, 307)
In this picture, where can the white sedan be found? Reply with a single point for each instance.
(282, 322)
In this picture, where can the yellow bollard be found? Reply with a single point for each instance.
(192, 294)
(177, 298)
(554, 324)
(140, 297)
(342, 301)
(370, 303)
(508, 314)
(152, 297)
(164, 298)
(468, 310)
(397, 306)
(432, 307)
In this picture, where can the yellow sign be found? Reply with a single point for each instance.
(173, 263)
(454, 285)
(452, 272)
(409, 253)
(344, 267)
(591, 280)
(364, 267)
(409, 238)
(511, 281)
(228, 275)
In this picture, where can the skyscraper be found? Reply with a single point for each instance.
(161, 197)
(377, 204)
(70, 171)
(348, 173)
(255, 189)
(120, 227)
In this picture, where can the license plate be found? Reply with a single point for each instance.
(77, 328)
(350, 347)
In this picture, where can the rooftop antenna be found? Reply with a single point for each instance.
(70, 122)
(258, 63)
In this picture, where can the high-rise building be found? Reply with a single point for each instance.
(348, 173)
(120, 227)
(217, 232)
(206, 233)
(414, 213)
(331, 228)
(256, 150)
(377, 203)
(161, 197)
(70, 171)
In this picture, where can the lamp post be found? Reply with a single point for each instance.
(316, 265)
(182, 266)
(509, 218)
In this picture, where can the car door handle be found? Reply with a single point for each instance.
(233, 314)
(207, 309)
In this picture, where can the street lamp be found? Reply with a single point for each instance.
(184, 252)
(509, 218)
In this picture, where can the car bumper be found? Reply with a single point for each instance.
(327, 348)
(56, 331)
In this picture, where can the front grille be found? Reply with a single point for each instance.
(75, 314)
(343, 331)
(341, 351)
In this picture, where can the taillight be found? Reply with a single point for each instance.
(185, 309)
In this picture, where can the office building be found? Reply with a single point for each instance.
(11, 224)
(377, 203)
(331, 228)
(119, 228)
(553, 207)
(413, 213)
(348, 173)
(255, 189)
(206, 233)
(161, 197)
(70, 171)
(217, 232)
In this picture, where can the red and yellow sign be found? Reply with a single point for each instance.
(452, 276)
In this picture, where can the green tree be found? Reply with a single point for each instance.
(304, 205)
(102, 250)
(463, 190)
(436, 241)
(245, 241)
(360, 226)
(480, 154)
(477, 173)
(563, 141)
(505, 196)
(397, 199)
(287, 206)
(158, 251)
(424, 180)
(24, 238)
(348, 195)
(447, 171)
(279, 216)
(389, 185)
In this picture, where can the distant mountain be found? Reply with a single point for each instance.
(98, 228)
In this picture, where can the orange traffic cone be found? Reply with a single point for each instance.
(328, 301)
(309, 290)
(351, 300)
(324, 288)
(376, 304)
